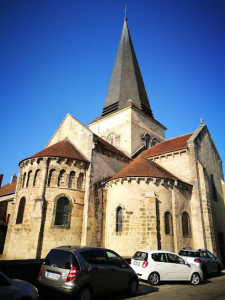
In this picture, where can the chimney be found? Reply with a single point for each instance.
(1, 177)
(13, 178)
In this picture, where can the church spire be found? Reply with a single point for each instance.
(126, 82)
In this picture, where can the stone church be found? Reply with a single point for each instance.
(117, 183)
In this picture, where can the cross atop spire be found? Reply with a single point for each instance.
(125, 17)
(126, 81)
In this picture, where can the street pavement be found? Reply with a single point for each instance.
(212, 289)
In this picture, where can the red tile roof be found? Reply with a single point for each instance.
(63, 148)
(143, 167)
(167, 146)
(8, 189)
(104, 144)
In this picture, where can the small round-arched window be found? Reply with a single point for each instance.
(119, 219)
(186, 230)
(62, 212)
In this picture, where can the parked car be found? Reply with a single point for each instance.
(16, 289)
(85, 271)
(155, 266)
(202, 258)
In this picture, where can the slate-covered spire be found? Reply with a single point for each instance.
(126, 81)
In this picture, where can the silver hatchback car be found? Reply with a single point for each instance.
(203, 259)
(82, 272)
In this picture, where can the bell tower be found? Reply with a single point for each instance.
(127, 120)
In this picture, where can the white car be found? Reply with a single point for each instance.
(156, 265)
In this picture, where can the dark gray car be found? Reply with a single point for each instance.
(83, 272)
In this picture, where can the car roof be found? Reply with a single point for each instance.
(155, 251)
(77, 248)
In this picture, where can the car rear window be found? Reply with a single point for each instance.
(61, 259)
(189, 253)
(139, 255)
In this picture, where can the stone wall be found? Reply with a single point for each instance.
(128, 127)
(144, 202)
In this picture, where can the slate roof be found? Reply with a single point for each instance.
(63, 148)
(167, 146)
(126, 81)
(143, 167)
(8, 189)
(104, 144)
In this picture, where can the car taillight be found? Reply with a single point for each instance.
(145, 264)
(130, 262)
(40, 272)
(197, 260)
(73, 273)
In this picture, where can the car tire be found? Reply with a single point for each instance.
(195, 279)
(154, 278)
(219, 270)
(133, 287)
(85, 293)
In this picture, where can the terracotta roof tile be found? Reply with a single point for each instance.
(63, 148)
(170, 145)
(143, 167)
(104, 144)
(8, 189)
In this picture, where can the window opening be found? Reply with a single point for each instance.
(119, 219)
(62, 212)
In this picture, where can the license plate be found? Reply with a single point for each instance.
(136, 263)
(52, 276)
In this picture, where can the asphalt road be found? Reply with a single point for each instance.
(212, 289)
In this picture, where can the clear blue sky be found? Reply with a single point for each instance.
(57, 57)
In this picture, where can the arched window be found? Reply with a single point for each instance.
(62, 178)
(19, 219)
(80, 180)
(186, 224)
(71, 182)
(37, 178)
(168, 223)
(154, 141)
(29, 179)
(62, 212)
(119, 219)
(51, 177)
(24, 178)
(147, 141)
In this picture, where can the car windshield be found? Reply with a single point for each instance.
(189, 253)
(140, 256)
(61, 259)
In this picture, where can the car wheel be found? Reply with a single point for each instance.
(85, 294)
(153, 278)
(132, 288)
(218, 270)
(195, 279)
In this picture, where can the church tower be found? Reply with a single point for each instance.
(127, 120)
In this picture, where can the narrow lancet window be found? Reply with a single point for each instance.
(119, 219)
